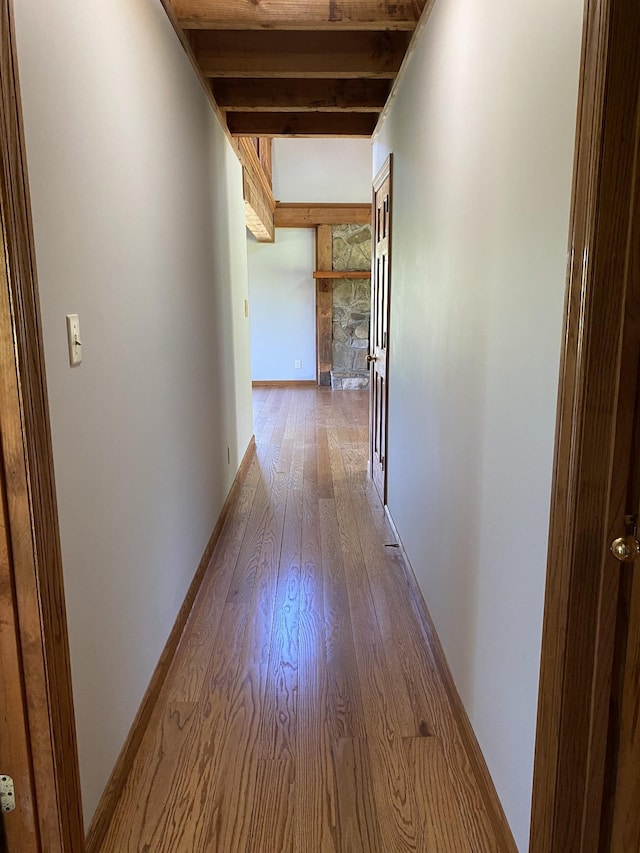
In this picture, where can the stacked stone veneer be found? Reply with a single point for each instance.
(351, 308)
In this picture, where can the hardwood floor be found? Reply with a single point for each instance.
(304, 710)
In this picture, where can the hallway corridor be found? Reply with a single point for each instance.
(305, 709)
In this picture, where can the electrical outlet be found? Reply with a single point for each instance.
(297, 363)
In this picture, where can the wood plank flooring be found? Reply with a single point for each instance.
(304, 711)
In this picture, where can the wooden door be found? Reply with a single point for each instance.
(620, 822)
(379, 338)
(586, 794)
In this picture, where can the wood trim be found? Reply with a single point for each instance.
(27, 458)
(342, 274)
(115, 785)
(479, 768)
(310, 215)
(324, 306)
(21, 827)
(284, 383)
(582, 585)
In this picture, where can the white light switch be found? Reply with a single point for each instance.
(75, 341)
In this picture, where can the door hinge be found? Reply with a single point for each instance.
(7, 795)
(382, 461)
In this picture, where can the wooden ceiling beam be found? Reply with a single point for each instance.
(299, 54)
(301, 124)
(289, 215)
(287, 95)
(296, 15)
(258, 197)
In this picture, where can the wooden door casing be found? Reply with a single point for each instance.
(32, 562)
(20, 827)
(379, 338)
(596, 404)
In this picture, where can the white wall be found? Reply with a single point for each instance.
(280, 274)
(482, 132)
(322, 170)
(139, 228)
(282, 294)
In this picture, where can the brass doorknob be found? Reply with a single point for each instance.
(626, 548)
(370, 358)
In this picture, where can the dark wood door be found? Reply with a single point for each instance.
(620, 825)
(586, 793)
(379, 338)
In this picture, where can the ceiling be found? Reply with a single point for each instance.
(299, 67)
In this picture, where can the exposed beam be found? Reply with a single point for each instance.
(258, 214)
(258, 198)
(324, 306)
(302, 124)
(296, 15)
(299, 54)
(311, 215)
(282, 95)
(346, 274)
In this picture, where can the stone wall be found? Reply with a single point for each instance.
(351, 308)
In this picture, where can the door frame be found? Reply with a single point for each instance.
(581, 595)
(34, 559)
(384, 173)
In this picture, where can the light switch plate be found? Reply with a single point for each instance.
(75, 341)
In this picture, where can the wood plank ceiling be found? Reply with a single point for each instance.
(299, 67)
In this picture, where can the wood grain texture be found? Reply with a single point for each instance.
(440, 809)
(284, 383)
(358, 821)
(257, 188)
(295, 215)
(284, 95)
(278, 726)
(582, 583)
(400, 826)
(342, 274)
(266, 53)
(34, 568)
(304, 123)
(273, 819)
(21, 827)
(324, 306)
(480, 808)
(625, 828)
(291, 14)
